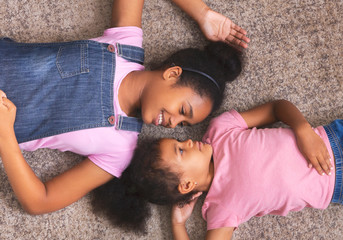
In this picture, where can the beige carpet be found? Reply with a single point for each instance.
(295, 53)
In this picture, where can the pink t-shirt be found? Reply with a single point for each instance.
(259, 172)
(108, 148)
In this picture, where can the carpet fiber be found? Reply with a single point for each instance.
(295, 54)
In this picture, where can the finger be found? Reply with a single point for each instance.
(317, 166)
(235, 42)
(193, 202)
(198, 194)
(324, 164)
(328, 159)
(9, 104)
(238, 29)
(2, 94)
(238, 33)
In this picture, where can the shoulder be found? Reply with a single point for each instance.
(231, 117)
(225, 122)
(130, 35)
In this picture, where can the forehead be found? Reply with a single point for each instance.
(197, 107)
(167, 146)
(168, 149)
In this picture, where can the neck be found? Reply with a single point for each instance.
(208, 181)
(130, 90)
(210, 176)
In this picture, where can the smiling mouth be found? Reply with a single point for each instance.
(159, 119)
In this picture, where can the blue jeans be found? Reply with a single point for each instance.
(63, 87)
(335, 134)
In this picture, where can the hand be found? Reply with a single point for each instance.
(217, 27)
(181, 215)
(314, 150)
(7, 115)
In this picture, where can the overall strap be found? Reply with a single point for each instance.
(132, 54)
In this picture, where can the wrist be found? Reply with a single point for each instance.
(178, 224)
(302, 128)
(7, 141)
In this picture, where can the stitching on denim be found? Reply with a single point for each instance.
(339, 163)
(53, 133)
(101, 82)
(119, 49)
(131, 53)
(119, 122)
(84, 58)
(74, 73)
(337, 149)
(338, 182)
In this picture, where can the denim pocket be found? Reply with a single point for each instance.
(72, 60)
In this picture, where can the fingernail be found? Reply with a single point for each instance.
(322, 174)
(331, 167)
(329, 173)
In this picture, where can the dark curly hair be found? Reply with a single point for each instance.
(218, 60)
(125, 201)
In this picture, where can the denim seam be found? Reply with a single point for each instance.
(83, 53)
(337, 194)
(53, 133)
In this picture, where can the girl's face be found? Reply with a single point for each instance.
(190, 158)
(167, 105)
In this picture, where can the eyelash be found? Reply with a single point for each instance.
(182, 112)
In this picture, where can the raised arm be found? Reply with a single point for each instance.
(215, 26)
(310, 144)
(35, 196)
(179, 217)
(127, 13)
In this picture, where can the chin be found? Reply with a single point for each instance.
(144, 118)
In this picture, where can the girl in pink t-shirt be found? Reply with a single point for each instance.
(181, 91)
(245, 171)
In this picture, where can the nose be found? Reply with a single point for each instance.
(189, 143)
(174, 121)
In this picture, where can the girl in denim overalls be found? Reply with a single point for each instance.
(84, 97)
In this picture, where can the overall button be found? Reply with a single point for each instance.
(111, 48)
(112, 120)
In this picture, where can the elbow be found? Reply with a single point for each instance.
(33, 211)
(34, 208)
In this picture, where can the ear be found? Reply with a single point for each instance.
(172, 73)
(186, 186)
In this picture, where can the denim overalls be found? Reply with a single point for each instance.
(63, 87)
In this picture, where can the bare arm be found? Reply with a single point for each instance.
(35, 196)
(180, 215)
(127, 13)
(220, 233)
(180, 233)
(310, 144)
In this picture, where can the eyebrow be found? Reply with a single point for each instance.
(190, 110)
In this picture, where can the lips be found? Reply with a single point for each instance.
(199, 145)
(159, 119)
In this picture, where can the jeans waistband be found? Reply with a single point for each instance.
(336, 146)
